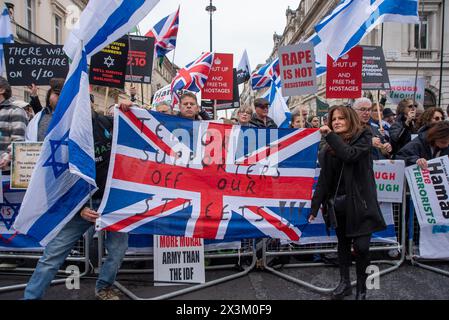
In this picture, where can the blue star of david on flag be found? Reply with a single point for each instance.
(9, 216)
(56, 152)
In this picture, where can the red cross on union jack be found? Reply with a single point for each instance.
(208, 175)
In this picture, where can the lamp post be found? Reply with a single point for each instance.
(211, 9)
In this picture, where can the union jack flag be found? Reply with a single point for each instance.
(174, 176)
(263, 77)
(165, 33)
(193, 77)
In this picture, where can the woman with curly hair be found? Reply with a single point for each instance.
(429, 118)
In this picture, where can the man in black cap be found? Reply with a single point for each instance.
(260, 118)
(388, 116)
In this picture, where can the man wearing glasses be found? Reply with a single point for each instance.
(381, 148)
(260, 118)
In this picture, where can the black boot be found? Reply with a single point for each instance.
(361, 288)
(344, 288)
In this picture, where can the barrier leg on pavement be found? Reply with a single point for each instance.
(399, 215)
(197, 287)
(413, 248)
(79, 254)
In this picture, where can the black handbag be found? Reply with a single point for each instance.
(333, 205)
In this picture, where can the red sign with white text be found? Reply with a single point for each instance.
(220, 84)
(344, 76)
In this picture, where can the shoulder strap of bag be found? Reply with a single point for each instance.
(339, 180)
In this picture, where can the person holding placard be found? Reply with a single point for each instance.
(405, 126)
(431, 144)
(346, 190)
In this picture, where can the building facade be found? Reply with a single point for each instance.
(400, 43)
(50, 22)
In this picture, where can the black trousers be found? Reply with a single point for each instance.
(361, 250)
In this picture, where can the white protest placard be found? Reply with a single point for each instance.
(298, 71)
(178, 260)
(24, 158)
(389, 175)
(162, 95)
(405, 89)
(429, 191)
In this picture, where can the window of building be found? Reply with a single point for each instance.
(58, 22)
(30, 13)
(424, 37)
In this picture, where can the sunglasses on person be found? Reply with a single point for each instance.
(363, 110)
(263, 106)
(438, 118)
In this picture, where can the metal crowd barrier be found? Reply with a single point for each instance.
(246, 251)
(79, 254)
(293, 250)
(413, 246)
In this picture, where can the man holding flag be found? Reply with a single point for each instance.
(65, 176)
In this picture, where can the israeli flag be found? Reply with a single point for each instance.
(64, 176)
(352, 20)
(320, 54)
(5, 34)
(279, 111)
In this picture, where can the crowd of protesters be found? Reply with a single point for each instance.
(352, 137)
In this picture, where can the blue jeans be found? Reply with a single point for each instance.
(59, 248)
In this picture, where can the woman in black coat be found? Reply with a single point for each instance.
(346, 162)
(431, 144)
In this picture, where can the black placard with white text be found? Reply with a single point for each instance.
(30, 63)
(108, 67)
(140, 59)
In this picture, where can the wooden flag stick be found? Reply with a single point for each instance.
(301, 123)
(106, 96)
(380, 117)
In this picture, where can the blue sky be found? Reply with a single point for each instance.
(237, 25)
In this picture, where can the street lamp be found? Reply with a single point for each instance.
(211, 9)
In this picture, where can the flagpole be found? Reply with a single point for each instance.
(443, 4)
(418, 52)
(379, 115)
(131, 64)
(106, 96)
